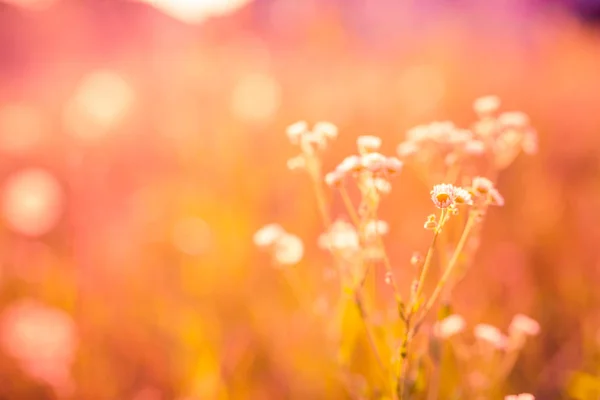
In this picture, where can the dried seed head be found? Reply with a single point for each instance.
(443, 195)
(462, 196)
(326, 129)
(335, 178)
(368, 144)
(486, 105)
(296, 130)
(482, 185)
(449, 326)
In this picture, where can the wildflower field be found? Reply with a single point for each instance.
(298, 200)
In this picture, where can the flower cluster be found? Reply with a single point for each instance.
(441, 145)
(373, 167)
(358, 247)
(286, 248)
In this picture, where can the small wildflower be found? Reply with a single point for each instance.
(335, 178)
(474, 147)
(530, 142)
(407, 149)
(522, 324)
(268, 235)
(296, 130)
(486, 105)
(393, 165)
(374, 228)
(351, 164)
(368, 144)
(490, 334)
(326, 129)
(374, 162)
(513, 119)
(296, 163)
(289, 249)
(462, 196)
(382, 185)
(495, 198)
(449, 326)
(482, 185)
(431, 223)
(342, 236)
(443, 195)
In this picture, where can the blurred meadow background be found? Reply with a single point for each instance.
(142, 143)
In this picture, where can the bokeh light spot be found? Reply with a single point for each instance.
(32, 202)
(196, 11)
(99, 103)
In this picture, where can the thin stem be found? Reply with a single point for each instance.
(427, 263)
(350, 207)
(388, 268)
(322, 203)
(451, 264)
(370, 335)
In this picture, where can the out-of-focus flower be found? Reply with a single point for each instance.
(462, 196)
(496, 199)
(296, 130)
(351, 164)
(443, 195)
(32, 201)
(449, 326)
(490, 334)
(341, 237)
(335, 178)
(375, 228)
(368, 144)
(288, 249)
(374, 162)
(393, 165)
(482, 185)
(326, 129)
(268, 234)
(42, 339)
(99, 103)
(523, 325)
(486, 105)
